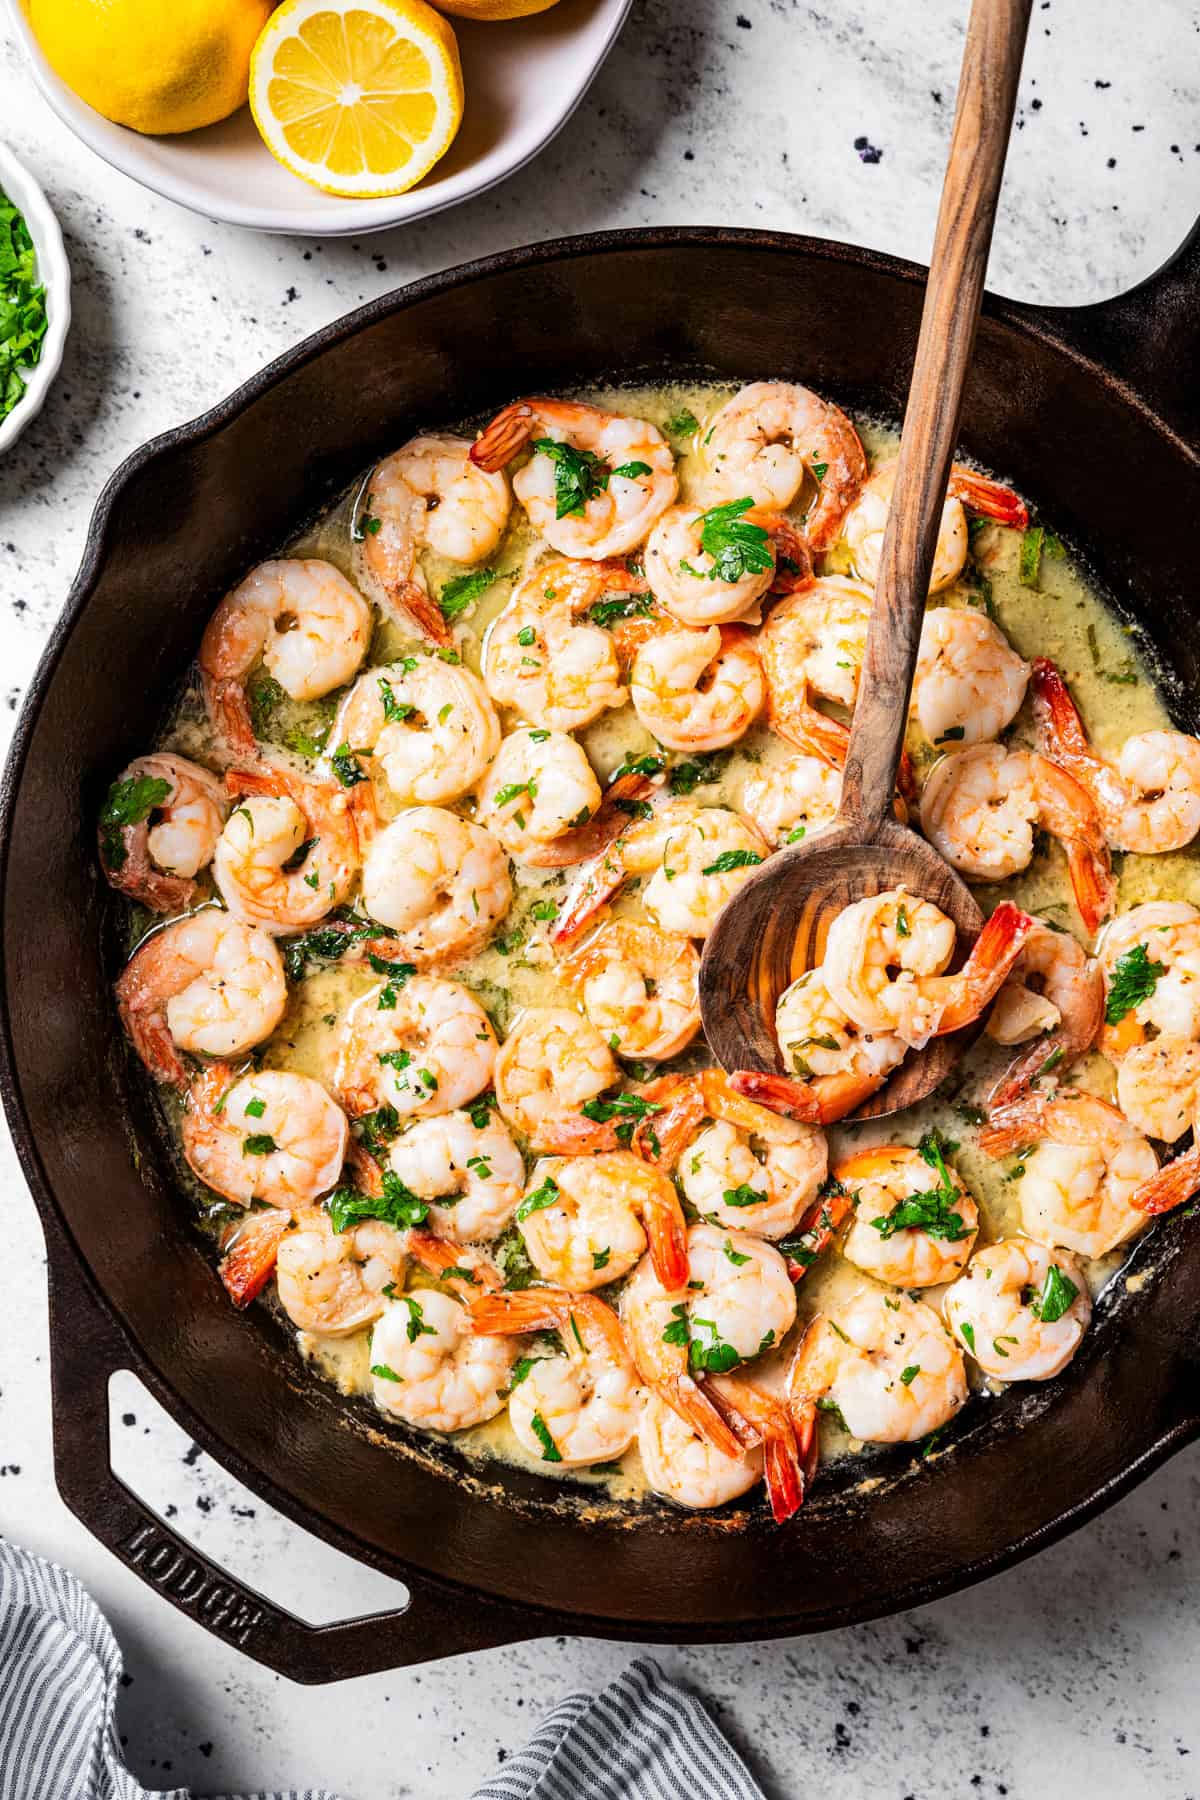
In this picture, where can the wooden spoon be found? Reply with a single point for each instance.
(775, 926)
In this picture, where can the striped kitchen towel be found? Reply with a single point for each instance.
(59, 1673)
(643, 1738)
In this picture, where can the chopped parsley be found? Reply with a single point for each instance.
(934, 1210)
(397, 1205)
(416, 1319)
(394, 711)
(550, 1450)
(129, 802)
(968, 1336)
(578, 475)
(1058, 1295)
(684, 423)
(1029, 566)
(254, 1109)
(744, 1195)
(539, 1199)
(462, 592)
(346, 766)
(732, 859)
(1134, 979)
(22, 305)
(736, 1257)
(736, 545)
(383, 1372)
(625, 606)
(909, 1375)
(259, 1143)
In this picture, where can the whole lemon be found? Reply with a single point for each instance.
(493, 9)
(156, 65)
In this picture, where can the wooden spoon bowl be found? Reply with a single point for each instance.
(796, 896)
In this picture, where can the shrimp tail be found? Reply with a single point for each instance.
(229, 711)
(509, 432)
(986, 969)
(758, 1416)
(1174, 1183)
(593, 887)
(818, 1228)
(663, 1137)
(250, 1251)
(412, 604)
(624, 798)
(793, 563)
(508, 1315)
(148, 1032)
(1092, 881)
(137, 876)
(666, 1228)
(1011, 1126)
(696, 1409)
(1060, 729)
(822, 1101)
(991, 498)
(444, 1260)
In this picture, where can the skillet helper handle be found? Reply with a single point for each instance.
(85, 1349)
(987, 94)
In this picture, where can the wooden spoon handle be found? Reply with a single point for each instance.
(987, 93)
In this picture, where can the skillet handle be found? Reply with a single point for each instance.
(1148, 337)
(85, 1349)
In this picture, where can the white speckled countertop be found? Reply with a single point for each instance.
(830, 119)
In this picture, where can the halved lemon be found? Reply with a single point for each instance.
(360, 97)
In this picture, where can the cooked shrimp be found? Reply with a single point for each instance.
(540, 788)
(1080, 1177)
(207, 984)
(430, 1368)
(979, 809)
(306, 623)
(650, 1314)
(552, 1063)
(289, 851)
(430, 1052)
(427, 493)
(698, 588)
(587, 1219)
(159, 827)
(884, 958)
(470, 1172)
(705, 860)
(838, 1064)
(544, 658)
(866, 521)
(1149, 799)
(580, 1407)
(1020, 1309)
(429, 725)
(440, 882)
(331, 1282)
(817, 636)
(270, 1136)
(682, 1465)
(794, 799)
(740, 1300)
(698, 690)
(886, 1362)
(899, 1242)
(969, 682)
(762, 1417)
(639, 988)
(635, 849)
(597, 481)
(1178, 1179)
(1054, 995)
(463, 508)
(1150, 958)
(765, 439)
(737, 1163)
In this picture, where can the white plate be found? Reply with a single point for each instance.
(523, 77)
(55, 274)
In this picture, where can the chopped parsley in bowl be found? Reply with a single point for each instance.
(35, 306)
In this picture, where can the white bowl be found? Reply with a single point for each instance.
(55, 273)
(523, 77)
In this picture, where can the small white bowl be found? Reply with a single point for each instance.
(54, 272)
(523, 78)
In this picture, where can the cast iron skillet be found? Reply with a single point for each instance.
(1090, 411)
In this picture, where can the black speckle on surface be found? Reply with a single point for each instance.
(1035, 104)
(192, 1455)
(205, 1749)
(292, 294)
(204, 1502)
(937, 96)
(742, 22)
(689, 156)
(841, 1737)
(1102, 84)
(867, 151)
(1111, 163)
(129, 1418)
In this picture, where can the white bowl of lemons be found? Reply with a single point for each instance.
(362, 114)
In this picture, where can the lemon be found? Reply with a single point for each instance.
(360, 97)
(493, 9)
(156, 67)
